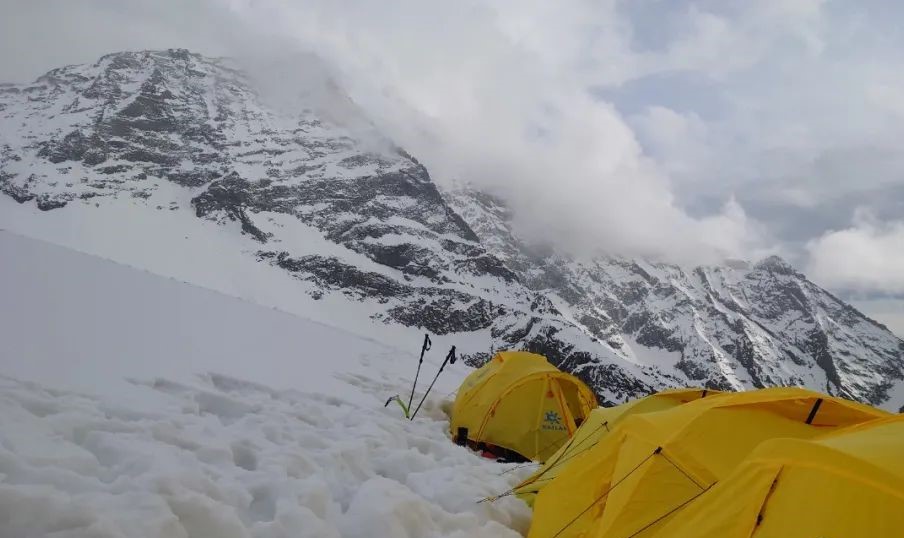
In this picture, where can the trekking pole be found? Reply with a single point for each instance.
(426, 347)
(450, 358)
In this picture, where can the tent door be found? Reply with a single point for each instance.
(563, 392)
(577, 405)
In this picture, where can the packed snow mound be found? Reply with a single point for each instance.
(134, 405)
(227, 458)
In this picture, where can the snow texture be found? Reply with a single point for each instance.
(157, 409)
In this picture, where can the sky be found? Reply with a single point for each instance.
(687, 130)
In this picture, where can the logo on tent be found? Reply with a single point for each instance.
(552, 421)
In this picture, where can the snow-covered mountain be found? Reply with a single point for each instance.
(728, 326)
(184, 166)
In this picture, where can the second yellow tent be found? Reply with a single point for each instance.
(519, 403)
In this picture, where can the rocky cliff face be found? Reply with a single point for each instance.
(189, 134)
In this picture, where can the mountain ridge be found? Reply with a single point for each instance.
(720, 291)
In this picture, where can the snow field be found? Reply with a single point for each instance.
(233, 459)
(138, 406)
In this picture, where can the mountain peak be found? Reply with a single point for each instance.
(776, 264)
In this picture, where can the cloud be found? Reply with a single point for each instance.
(866, 258)
(478, 92)
(681, 141)
(39, 36)
(688, 129)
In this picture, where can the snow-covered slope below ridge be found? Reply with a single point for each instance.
(730, 326)
(136, 406)
(174, 163)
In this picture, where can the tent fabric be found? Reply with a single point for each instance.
(848, 483)
(600, 422)
(653, 464)
(520, 402)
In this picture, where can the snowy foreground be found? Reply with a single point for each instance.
(133, 405)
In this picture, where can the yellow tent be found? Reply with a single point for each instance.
(850, 483)
(519, 402)
(600, 422)
(653, 464)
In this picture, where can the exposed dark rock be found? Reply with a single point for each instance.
(72, 147)
(46, 203)
(332, 273)
(817, 345)
(406, 257)
(230, 197)
(745, 354)
(16, 192)
(443, 311)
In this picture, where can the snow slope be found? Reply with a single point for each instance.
(135, 405)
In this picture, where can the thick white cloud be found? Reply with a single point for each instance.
(497, 95)
(36, 36)
(689, 129)
(868, 257)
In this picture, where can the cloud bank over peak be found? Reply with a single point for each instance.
(866, 258)
(689, 130)
(498, 95)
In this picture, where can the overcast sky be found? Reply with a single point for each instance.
(688, 130)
